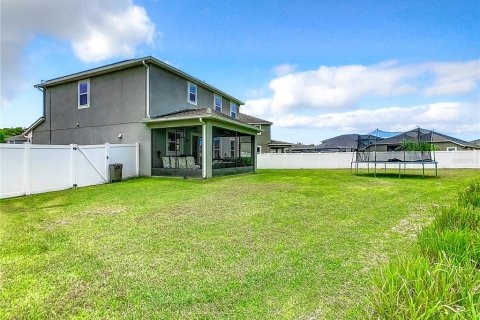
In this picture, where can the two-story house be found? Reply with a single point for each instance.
(185, 126)
(265, 144)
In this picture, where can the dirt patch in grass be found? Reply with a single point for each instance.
(411, 225)
(53, 225)
(406, 228)
(111, 210)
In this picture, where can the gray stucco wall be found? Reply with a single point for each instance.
(264, 139)
(168, 93)
(117, 104)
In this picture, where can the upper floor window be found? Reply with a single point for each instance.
(259, 127)
(217, 102)
(233, 110)
(192, 93)
(84, 93)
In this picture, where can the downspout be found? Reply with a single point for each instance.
(204, 149)
(43, 90)
(147, 91)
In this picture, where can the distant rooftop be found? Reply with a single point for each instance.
(251, 119)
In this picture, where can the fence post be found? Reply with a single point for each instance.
(107, 161)
(27, 171)
(476, 159)
(73, 165)
(137, 159)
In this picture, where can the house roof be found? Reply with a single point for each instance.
(476, 142)
(280, 143)
(131, 63)
(34, 125)
(251, 119)
(436, 137)
(344, 141)
(17, 137)
(187, 114)
(299, 146)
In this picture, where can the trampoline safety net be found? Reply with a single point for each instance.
(381, 146)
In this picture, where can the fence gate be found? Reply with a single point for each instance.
(31, 168)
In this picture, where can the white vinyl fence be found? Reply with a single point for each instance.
(342, 160)
(32, 168)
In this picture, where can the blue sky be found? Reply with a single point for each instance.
(315, 68)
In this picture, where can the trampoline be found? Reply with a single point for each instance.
(413, 148)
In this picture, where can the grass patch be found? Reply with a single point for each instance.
(279, 244)
(442, 279)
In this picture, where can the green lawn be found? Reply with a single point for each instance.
(278, 244)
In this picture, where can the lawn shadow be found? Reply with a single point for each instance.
(394, 175)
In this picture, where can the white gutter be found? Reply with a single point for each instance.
(147, 93)
(204, 148)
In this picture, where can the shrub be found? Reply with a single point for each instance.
(410, 145)
(412, 287)
(471, 195)
(458, 245)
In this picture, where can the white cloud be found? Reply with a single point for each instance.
(344, 86)
(460, 117)
(453, 78)
(96, 30)
(283, 69)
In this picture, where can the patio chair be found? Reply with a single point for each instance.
(182, 163)
(173, 163)
(166, 162)
(191, 163)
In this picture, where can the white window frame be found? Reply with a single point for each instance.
(87, 81)
(259, 149)
(259, 126)
(236, 113)
(221, 102)
(234, 150)
(219, 147)
(451, 148)
(172, 153)
(188, 93)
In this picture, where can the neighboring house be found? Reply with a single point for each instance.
(442, 141)
(342, 143)
(476, 142)
(303, 148)
(265, 144)
(18, 139)
(349, 142)
(185, 126)
(277, 146)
